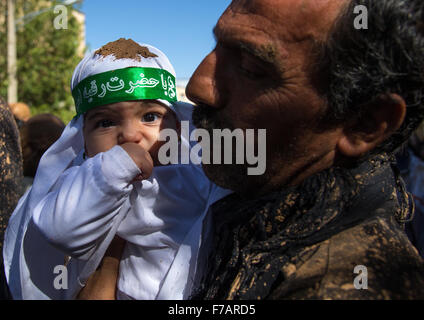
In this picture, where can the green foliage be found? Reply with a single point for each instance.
(3, 50)
(46, 60)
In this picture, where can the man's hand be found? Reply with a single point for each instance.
(142, 159)
(102, 283)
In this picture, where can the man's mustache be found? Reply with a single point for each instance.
(206, 117)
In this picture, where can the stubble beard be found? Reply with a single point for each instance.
(229, 176)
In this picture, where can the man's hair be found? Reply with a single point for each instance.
(388, 57)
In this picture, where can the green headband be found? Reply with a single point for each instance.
(126, 84)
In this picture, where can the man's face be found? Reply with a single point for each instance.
(259, 77)
(130, 121)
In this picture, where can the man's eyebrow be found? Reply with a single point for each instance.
(266, 53)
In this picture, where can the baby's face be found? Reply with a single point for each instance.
(130, 121)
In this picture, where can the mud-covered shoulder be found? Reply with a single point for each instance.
(10, 166)
(373, 260)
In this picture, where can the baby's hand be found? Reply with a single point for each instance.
(142, 159)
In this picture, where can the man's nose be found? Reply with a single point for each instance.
(130, 132)
(201, 88)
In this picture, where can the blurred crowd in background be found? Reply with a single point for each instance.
(37, 134)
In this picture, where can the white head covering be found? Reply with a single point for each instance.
(93, 64)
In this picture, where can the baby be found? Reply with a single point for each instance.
(104, 177)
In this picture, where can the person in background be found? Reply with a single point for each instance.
(21, 112)
(37, 134)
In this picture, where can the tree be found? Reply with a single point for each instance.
(46, 59)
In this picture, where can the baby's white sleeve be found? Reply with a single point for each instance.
(82, 206)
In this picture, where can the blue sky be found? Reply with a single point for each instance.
(182, 29)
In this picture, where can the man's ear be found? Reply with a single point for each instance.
(382, 117)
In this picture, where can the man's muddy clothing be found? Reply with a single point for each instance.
(10, 166)
(10, 177)
(305, 242)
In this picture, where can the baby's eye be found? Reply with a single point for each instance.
(105, 123)
(150, 117)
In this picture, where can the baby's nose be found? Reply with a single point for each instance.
(129, 133)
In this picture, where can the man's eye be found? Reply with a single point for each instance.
(250, 68)
(104, 124)
(252, 71)
(150, 117)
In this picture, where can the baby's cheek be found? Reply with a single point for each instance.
(96, 145)
(91, 150)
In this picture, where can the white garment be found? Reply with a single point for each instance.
(160, 213)
(91, 201)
